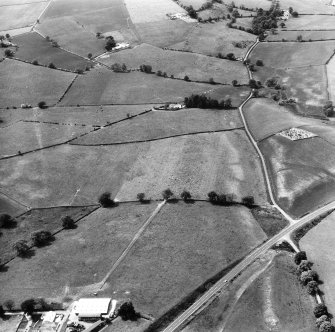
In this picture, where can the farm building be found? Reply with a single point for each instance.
(92, 308)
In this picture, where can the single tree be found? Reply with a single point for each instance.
(141, 197)
(211, 80)
(110, 43)
(259, 63)
(167, 194)
(230, 56)
(320, 310)
(105, 200)
(248, 200)
(124, 67)
(282, 24)
(295, 14)
(212, 197)
(42, 104)
(21, 247)
(186, 196)
(2, 311)
(68, 222)
(304, 265)
(299, 256)
(234, 82)
(9, 304)
(41, 238)
(51, 65)
(6, 220)
(54, 44)
(35, 62)
(312, 287)
(28, 306)
(305, 278)
(320, 320)
(127, 311)
(9, 53)
(89, 55)
(159, 73)
(299, 38)
(186, 78)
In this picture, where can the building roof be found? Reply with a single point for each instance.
(92, 307)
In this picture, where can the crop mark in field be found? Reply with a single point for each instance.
(131, 244)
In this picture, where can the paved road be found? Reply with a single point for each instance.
(294, 224)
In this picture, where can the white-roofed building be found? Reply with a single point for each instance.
(92, 308)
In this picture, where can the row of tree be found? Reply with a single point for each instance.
(229, 199)
(310, 280)
(202, 101)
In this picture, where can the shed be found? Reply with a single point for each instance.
(92, 307)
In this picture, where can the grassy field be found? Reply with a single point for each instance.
(301, 172)
(151, 11)
(287, 55)
(25, 136)
(60, 8)
(173, 258)
(9, 206)
(71, 36)
(196, 4)
(266, 118)
(306, 85)
(82, 115)
(199, 163)
(311, 22)
(308, 6)
(19, 16)
(160, 124)
(306, 35)
(34, 47)
(266, 292)
(43, 84)
(253, 3)
(331, 79)
(120, 325)
(36, 179)
(319, 244)
(274, 299)
(80, 257)
(197, 67)
(35, 220)
(212, 39)
(102, 86)
(164, 33)
(325, 130)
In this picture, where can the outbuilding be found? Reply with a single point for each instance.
(92, 308)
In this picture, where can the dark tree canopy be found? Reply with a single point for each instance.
(21, 247)
(299, 256)
(141, 197)
(186, 196)
(28, 306)
(320, 310)
(127, 311)
(167, 194)
(105, 200)
(41, 238)
(5, 220)
(68, 222)
(110, 43)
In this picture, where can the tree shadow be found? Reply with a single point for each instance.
(172, 201)
(189, 201)
(145, 201)
(27, 254)
(4, 268)
(10, 225)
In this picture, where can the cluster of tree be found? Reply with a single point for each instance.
(310, 279)
(42, 105)
(110, 43)
(255, 84)
(162, 74)
(118, 68)
(53, 42)
(328, 109)
(146, 69)
(191, 11)
(68, 222)
(127, 312)
(272, 82)
(6, 221)
(202, 101)
(41, 238)
(9, 53)
(229, 199)
(106, 201)
(167, 194)
(293, 12)
(266, 19)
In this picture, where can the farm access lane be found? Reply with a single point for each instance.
(222, 283)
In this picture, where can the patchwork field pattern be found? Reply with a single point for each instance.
(160, 124)
(309, 6)
(212, 39)
(34, 47)
(197, 67)
(302, 172)
(151, 11)
(312, 22)
(27, 136)
(281, 35)
(19, 16)
(92, 255)
(185, 261)
(43, 84)
(198, 163)
(102, 86)
(35, 220)
(288, 55)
